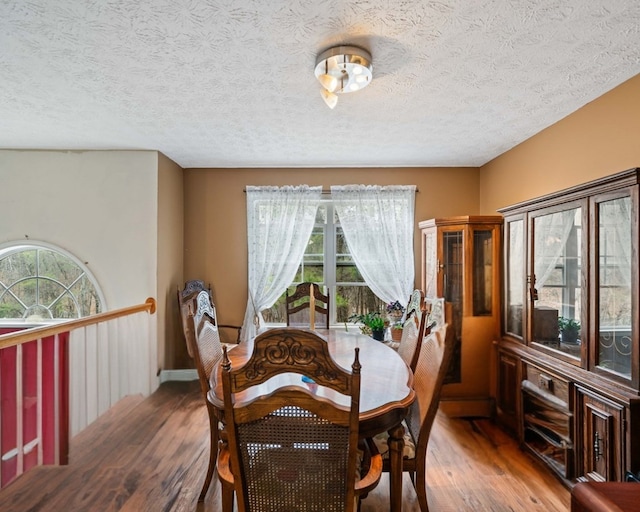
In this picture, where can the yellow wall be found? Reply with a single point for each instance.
(172, 351)
(600, 139)
(216, 220)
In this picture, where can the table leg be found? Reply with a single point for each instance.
(396, 448)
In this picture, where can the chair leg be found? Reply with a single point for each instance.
(213, 454)
(227, 498)
(420, 485)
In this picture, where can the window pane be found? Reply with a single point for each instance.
(10, 307)
(355, 300)
(57, 266)
(346, 270)
(312, 267)
(348, 273)
(65, 307)
(17, 265)
(341, 243)
(49, 292)
(25, 291)
(87, 297)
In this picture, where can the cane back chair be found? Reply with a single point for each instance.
(188, 301)
(203, 341)
(434, 358)
(295, 448)
(413, 329)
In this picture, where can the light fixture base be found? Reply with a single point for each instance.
(350, 66)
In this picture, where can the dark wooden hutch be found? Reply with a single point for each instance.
(568, 361)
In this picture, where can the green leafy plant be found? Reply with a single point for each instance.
(376, 323)
(569, 329)
(568, 324)
(370, 321)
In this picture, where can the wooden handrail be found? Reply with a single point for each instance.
(26, 335)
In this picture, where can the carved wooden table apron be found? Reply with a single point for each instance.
(386, 392)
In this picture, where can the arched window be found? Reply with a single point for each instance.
(40, 282)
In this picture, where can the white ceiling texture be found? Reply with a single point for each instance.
(230, 83)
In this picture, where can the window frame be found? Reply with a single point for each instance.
(330, 228)
(13, 247)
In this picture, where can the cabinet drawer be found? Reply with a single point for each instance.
(548, 383)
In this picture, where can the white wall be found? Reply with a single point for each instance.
(102, 206)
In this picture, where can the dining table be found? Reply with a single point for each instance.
(386, 391)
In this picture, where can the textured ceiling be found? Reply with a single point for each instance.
(229, 83)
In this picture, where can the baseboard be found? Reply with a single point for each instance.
(466, 407)
(187, 374)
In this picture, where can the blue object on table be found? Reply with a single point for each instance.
(307, 380)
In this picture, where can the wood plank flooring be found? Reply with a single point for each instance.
(151, 455)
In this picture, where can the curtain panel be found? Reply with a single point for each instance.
(378, 224)
(279, 225)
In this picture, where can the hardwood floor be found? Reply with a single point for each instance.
(151, 455)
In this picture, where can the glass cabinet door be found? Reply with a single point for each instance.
(452, 279)
(430, 262)
(556, 281)
(482, 272)
(514, 275)
(614, 279)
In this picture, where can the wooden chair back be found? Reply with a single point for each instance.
(433, 362)
(187, 304)
(413, 329)
(203, 343)
(192, 299)
(293, 448)
(299, 311)
(436, 311)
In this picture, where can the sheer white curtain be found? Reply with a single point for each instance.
(378, 224)
(551, 235)
(279, 225)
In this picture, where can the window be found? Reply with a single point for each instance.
(327, 262)
(40, 283)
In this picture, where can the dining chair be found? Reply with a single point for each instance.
(294, 446)
(413, 329)
(203, 342)
(187, 304)
(299, 310)
(187, 300)
(433, 362)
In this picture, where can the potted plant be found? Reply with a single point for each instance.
(396, 331)
(372, 324)
(569, 329)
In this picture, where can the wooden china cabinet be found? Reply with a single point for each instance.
(568, 370)
(460, 262)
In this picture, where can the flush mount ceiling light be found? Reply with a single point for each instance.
(342, 69)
